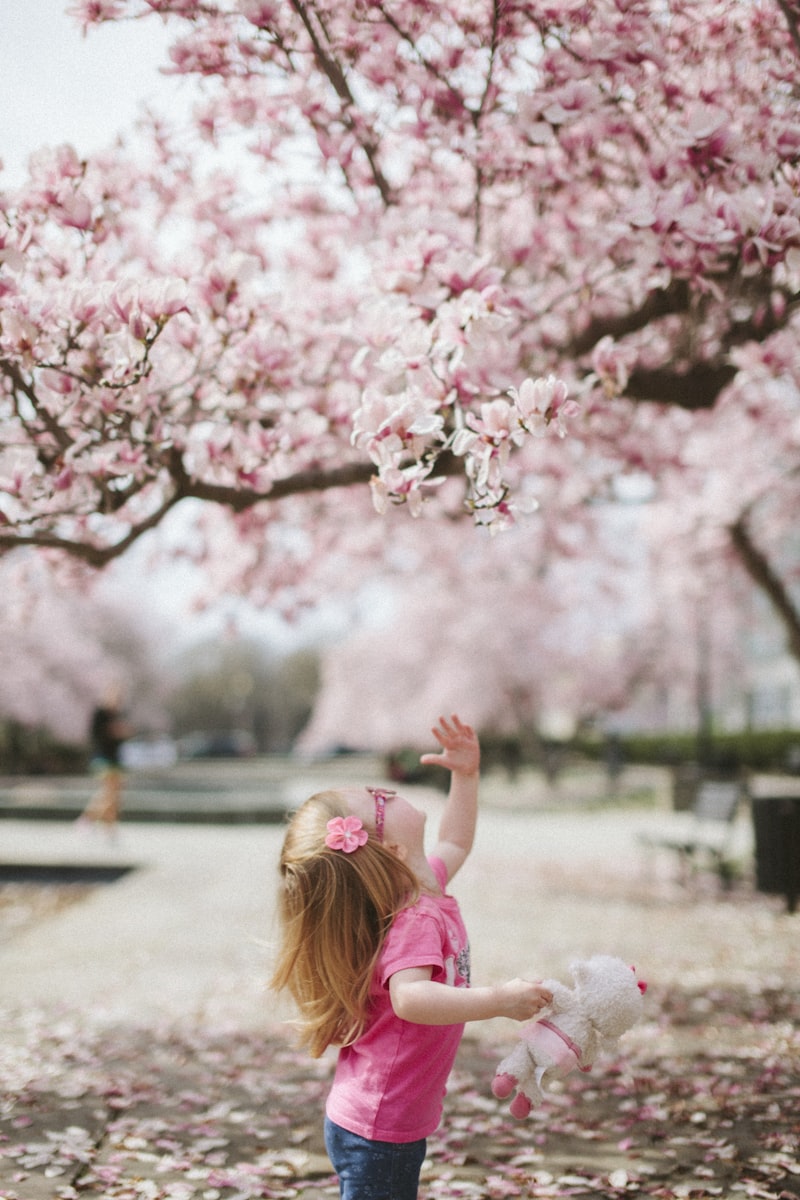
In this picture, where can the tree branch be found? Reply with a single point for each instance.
(313, 480)
(663, 302)
(88, 552)
(790, 12)
(338, 81)
(20, 384)
(693, 389)
(699, 385)
(768, 581)
(235, 498)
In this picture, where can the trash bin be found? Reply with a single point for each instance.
(776, 825)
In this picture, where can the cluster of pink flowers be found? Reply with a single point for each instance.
(425, 258)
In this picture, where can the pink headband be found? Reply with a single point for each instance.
(380, 795)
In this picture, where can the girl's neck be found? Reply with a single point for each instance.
(426, 877)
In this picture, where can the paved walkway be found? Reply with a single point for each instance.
(214, 791)
(188, 933)
(145, 1057)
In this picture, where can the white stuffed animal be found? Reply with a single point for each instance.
(605, 1001)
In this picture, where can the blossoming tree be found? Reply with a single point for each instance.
(448, 232)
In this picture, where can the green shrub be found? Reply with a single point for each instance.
(32, 750)
(755, 750)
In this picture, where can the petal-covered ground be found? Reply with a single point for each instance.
(198, 1098)
(176, 1113)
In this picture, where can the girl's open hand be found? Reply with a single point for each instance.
(460, 749)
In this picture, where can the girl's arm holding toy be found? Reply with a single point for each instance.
(416, 998)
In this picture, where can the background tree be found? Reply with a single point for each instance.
(612, 624)
(63, 647)
(238, 684)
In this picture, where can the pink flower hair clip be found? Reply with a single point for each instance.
(345, 833)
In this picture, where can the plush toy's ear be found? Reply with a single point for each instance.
(640, 983)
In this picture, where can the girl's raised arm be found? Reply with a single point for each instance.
(461, 755)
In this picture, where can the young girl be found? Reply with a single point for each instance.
(375, 954)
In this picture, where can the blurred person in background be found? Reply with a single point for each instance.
(108, 731)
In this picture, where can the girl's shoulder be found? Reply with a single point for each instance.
(428, 901)
(439, 869)
(428, 905)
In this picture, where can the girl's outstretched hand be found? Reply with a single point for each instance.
(460, 749)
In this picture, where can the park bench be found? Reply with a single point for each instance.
(702, 838)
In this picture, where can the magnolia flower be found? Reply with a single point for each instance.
(495, 423)
(612, 363)
(398, 485)
(74, 209)
(389, 424)
(540, 403)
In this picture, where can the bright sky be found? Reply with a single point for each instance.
(58, 86)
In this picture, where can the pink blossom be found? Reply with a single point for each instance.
(496, 422)
(10, 255)
(76, 210)
(262, 13)
(401, 485)
(93, 12)
(388, 424)
(540, 402)
(612, 362)
(412, 225)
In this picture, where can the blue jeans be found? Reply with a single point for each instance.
(374, 1170)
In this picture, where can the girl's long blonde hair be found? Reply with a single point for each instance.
(334, 910)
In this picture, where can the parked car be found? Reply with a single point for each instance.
(154, 750)
(228, 743)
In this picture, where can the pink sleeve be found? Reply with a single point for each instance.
(414, 940)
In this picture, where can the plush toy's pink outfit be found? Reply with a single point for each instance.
(553, 1045)
(550, 1052)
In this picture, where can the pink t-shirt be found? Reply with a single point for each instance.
(389, 1085)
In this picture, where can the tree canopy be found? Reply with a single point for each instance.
(401, 248)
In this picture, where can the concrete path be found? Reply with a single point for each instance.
(188, 933)
(198, 791)
(183, 934)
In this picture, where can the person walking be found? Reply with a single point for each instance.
(108, 732)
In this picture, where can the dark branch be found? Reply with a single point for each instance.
(88, 552)
(698, 385)
(20, 384)
(662, 303)
(302, 482)
(789, 10)
(768, 581)
(338, 81)
(693, 389)
(235, 498)
(239, 500)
